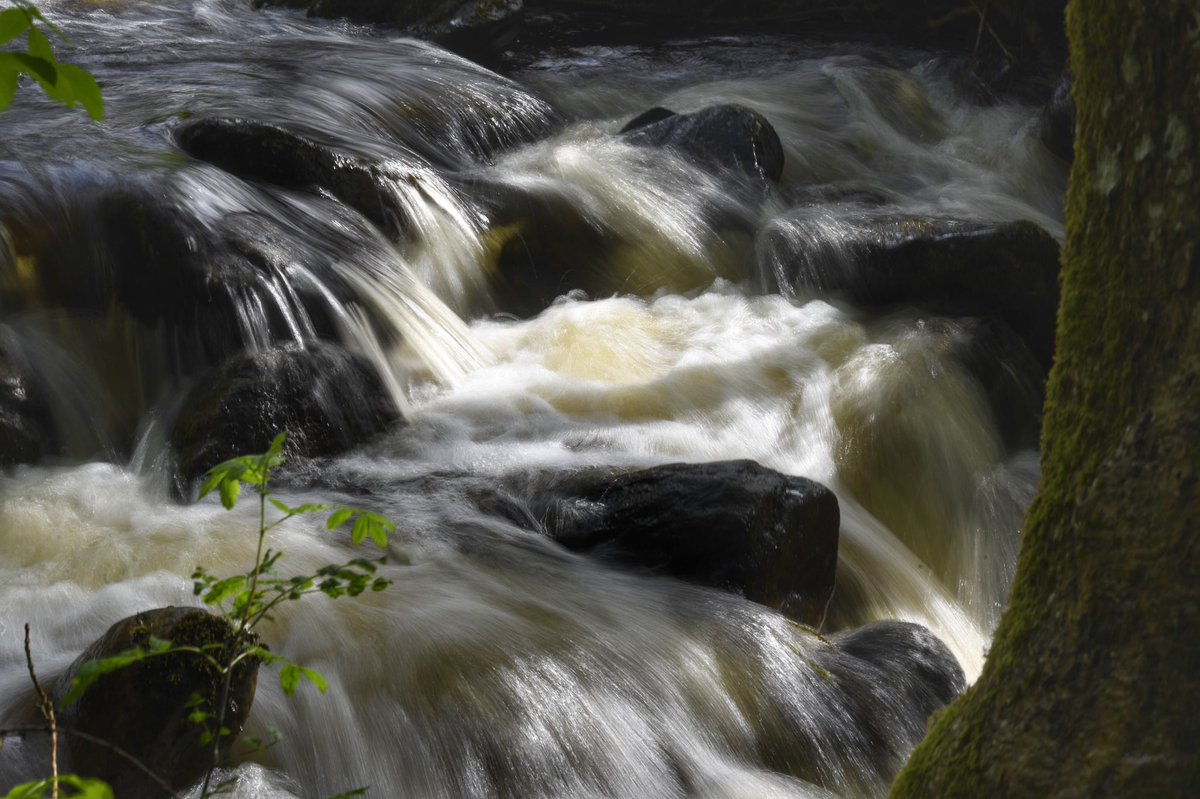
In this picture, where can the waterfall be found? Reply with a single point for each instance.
(537, 296)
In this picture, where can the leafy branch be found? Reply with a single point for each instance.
(246, 600)
(64, 83)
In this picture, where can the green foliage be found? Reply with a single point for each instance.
(69, 786)
(64, 83)
(246, 600)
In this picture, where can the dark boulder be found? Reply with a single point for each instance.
(142, 250)
(721, 137)
(326, 400)
(734, 525)
(541, 246)
(476, 29)
(1056, 123)
(269, 153)
(893, 676)
(143, 708)
(1006, 271)
(1009, 374)
(26, 426)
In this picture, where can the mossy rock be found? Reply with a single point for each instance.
(144, 708)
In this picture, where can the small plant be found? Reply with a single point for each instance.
(244, 601)
(66, 84)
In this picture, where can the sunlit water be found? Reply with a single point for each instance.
(499, 664)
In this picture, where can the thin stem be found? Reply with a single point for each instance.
(47, 708)
(239, 636)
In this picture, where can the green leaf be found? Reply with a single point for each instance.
(29, 790)
(315, 678)
(13, 23)
(281, 507)
(39, 45)
(359, 531)
(79, 788)
(289, 678)
(84, 89)
(37, 68)
(8, 86)
(338, 518)
(223, 589)
(230, 489)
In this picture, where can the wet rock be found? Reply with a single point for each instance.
(26, 426)
(1006, 271)
(902, 667)
(143, 708)
(721, 137)
(541, 247)
(326, 399)
(477, 29)
(269, 153)
(137, 249)
(1010, 376)
(1056, 124)
(734, 525)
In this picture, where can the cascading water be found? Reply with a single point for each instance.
(499, 664)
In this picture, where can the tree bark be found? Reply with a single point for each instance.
(1092, 685)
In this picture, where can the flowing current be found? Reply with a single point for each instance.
(498, 663)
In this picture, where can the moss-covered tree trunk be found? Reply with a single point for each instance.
(1092, 686)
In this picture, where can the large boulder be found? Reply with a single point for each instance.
(722, 138)
(734, 525)
(326, 400)
(143, 708)
(267, 152)
(144, 251)
(1006, 271)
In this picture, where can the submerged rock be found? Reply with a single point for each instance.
(326, 400)
(1007, 271)
(721, 137)
(735, 525)
(143, 708)
(902, 667)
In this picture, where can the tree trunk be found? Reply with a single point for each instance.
(1092, 686)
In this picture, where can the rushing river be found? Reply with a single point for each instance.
(499, 664)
